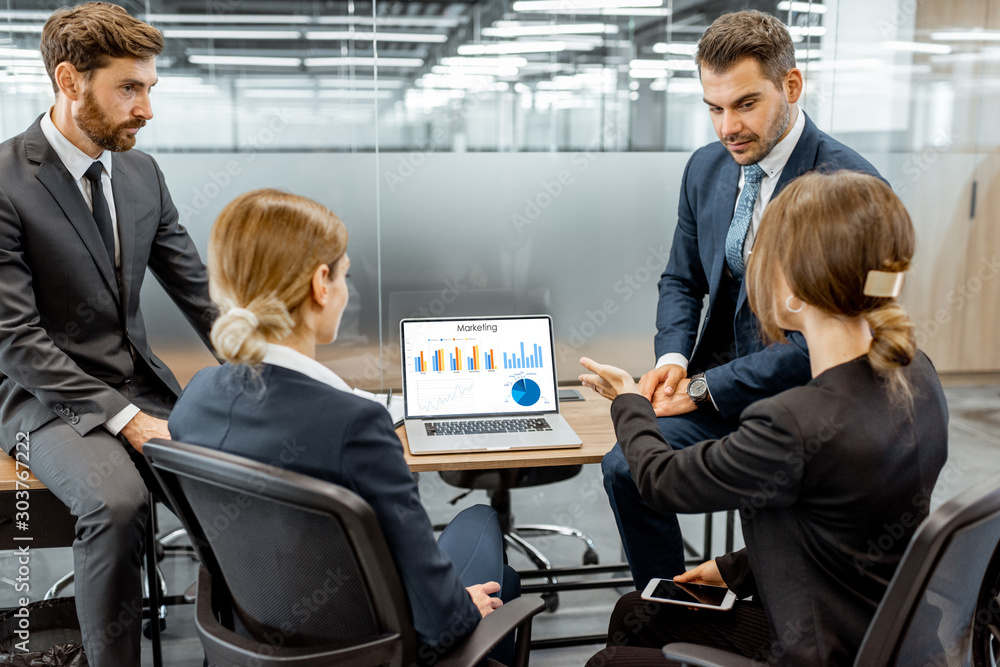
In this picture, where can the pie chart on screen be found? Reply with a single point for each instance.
(525, 392)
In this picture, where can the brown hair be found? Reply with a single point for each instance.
(748, 34)
(824, 233)
(87, 35)
(264, 248)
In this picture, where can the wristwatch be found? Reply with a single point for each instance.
(697, 389)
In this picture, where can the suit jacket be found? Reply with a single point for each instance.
(831, 480)
(709, 189)
(292, 421)
(72, 339)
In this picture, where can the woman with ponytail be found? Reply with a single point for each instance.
(832, 478)
(277, 270)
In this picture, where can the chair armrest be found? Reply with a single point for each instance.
(488, 633)
(705, 656)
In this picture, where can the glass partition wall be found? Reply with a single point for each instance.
(506, 157)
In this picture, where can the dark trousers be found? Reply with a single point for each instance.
(105, 484)
(474, 543)
(652, 539)
(639, 630)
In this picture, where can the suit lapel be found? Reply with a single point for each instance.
(53, 175)
(803, 157)
(121, 187)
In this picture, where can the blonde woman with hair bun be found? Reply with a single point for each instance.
(820, 473)
(278, 271)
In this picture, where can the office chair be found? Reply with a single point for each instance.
(942, 605)
(498, 484)
(295, 570)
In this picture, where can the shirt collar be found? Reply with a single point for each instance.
(76, 161)
(286, 357)
(778, 157)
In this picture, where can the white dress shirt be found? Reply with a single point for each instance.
(772, 165)
(77, 163)
(293, 360)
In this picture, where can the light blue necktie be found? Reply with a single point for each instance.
(752, 176)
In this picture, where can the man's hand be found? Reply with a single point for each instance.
(665, 378)
(673, 404)
(142, 428)
(706, 573)
(608, 381)
(480, 594)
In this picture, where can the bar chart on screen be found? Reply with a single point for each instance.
(457, 354)
(440, 355)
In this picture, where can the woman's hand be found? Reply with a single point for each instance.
(608, 381)
(706, 573)
(480, 594)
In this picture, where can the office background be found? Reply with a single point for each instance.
(518, 157)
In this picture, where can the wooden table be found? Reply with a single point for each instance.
(50, 524)
(590, 418)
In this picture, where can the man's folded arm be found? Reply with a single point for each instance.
(748, 379)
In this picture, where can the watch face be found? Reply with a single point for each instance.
(697, 388)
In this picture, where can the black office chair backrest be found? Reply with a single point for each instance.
(303, 561)
(942, 602)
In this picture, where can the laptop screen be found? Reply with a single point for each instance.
(455, 367)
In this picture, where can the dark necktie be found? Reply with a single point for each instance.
(102, 213)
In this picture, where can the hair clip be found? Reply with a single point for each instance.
(883, 284)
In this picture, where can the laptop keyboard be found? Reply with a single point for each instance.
(487, 426)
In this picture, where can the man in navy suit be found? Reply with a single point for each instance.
(746, 62)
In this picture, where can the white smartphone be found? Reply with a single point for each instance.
(702, 596)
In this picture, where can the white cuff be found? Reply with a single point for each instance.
(710, 395)
(118, 422)
(672, 358)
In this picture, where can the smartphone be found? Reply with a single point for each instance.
(570, 395)
(702, 596)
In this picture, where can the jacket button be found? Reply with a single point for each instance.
(59, 407)
(74, 420)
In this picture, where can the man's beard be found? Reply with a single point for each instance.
(100, 129)
(774, 133)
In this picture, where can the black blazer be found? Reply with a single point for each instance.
(286, 419)
(831, 480)
(68, 330)
(697, 262)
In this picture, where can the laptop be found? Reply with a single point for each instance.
(481, 384)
